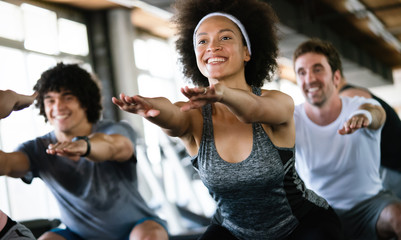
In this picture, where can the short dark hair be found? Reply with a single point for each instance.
(325, 48)
(73, 78)
(259, 20)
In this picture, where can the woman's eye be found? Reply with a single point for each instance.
(226, 38)
(200, 42)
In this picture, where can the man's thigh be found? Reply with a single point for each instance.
(360, 222)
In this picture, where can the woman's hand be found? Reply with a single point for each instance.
(199, 97)
(136, 104)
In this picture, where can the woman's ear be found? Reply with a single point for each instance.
(247, 56)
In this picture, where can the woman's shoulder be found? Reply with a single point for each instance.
(273, 92)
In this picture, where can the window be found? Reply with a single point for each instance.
(11, 25)
(40, 27)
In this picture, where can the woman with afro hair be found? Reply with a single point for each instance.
(241, 138)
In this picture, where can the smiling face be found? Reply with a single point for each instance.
(220, 51)
(65, 113)
(315, 78)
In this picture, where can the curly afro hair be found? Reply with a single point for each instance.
(73, 78)
(259, 20)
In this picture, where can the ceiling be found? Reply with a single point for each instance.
(373, 25)
(366, 32)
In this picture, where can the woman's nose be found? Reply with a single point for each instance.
(214, 46)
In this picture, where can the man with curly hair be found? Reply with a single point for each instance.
(88, 164)
(241, 137)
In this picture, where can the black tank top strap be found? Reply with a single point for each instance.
(346, 86)
(256, 90)
(207, 122)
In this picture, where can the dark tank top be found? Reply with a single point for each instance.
(261, 197)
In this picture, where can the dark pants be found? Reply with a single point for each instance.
(318, 224)
(217, 232)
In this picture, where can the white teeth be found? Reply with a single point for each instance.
(61, 117)
(214, 60)
(314, 89)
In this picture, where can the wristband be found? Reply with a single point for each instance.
(363, 112)
(88, 145)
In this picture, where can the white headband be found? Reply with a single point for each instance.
(232, 18)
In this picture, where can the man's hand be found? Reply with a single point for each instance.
(367, 116)
(72, 150)
(354, 123)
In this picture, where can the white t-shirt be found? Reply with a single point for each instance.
(344, 169)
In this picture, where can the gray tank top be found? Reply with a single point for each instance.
(261, 197)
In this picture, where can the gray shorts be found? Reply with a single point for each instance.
(18, 232)
(360, 221)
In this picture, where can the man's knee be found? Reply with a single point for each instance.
(149, 230)
(51, 236)
(389, 222)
